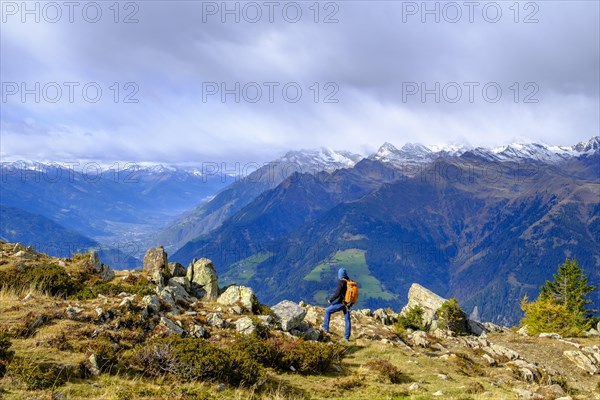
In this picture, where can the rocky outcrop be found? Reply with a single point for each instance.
(425, 298)
(203, 279)
(176, 269)
(238, 295)
(156, 265)
(101, 269)
(587, 361)
(288, 314)
(177, 293)
(419, 296)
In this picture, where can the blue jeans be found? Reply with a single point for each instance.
(335, 307)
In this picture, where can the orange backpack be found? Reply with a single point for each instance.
(351, 292)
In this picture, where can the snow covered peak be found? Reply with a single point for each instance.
(415, 148)
(591, 146)
(538, 152)
(409, 153)
(415, 153)
(322, 159)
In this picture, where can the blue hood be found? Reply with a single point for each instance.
(342, 274)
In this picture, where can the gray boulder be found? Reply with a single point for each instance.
(72, 312)
(523, 331)
(103, 270)
(203, 279)
(170, 328)
(419, 338)
(151, 304)
(198, 331)
(245, 326)
(288, 314)
(425, 298)
(178, 293)
(476, 328)
(181, 281)
(238, 294)
(495, 328)
(92, 364)
(216, 320)
(592, 332)
(166, 297)
(176, 269)
(156, 265)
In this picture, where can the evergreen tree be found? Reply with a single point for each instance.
(570, 287)
(561, 305)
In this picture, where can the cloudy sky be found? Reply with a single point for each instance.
(190, 81)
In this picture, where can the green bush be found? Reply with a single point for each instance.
(189, 360)
(386, 370)
(452, 317)
(413, 319)
(308, 357)
(37, 376)
(260, 349)
(48, 278)
(6, 354)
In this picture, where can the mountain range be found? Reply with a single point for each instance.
(485, 225)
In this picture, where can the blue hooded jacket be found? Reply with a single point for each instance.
(340, 292)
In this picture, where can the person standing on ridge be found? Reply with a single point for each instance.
(336, 303)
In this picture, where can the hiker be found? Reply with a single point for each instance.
(337, 303)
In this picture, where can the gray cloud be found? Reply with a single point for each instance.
(370, 55)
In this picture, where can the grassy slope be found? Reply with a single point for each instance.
(242, 271)
(358, 270)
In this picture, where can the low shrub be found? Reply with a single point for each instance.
(413, 319)
(6, 354)
(474, 388)
(38, 376)
(260, 349)
(189, 360)
(49, 278)
(349, 382)
(467, 366)
(308, 357)
(386, 370)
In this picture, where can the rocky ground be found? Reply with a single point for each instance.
(167, 299)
